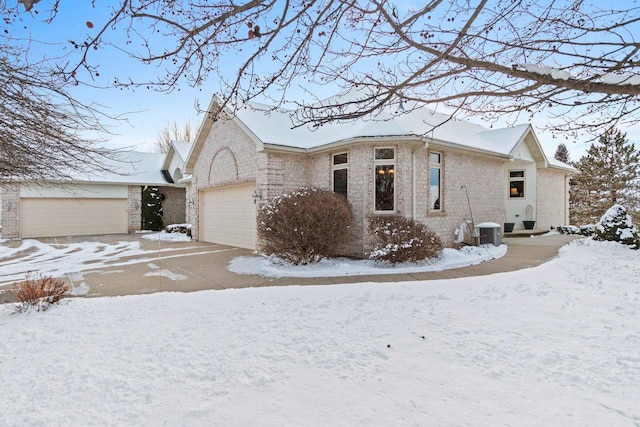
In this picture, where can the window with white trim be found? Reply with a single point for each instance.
(516, 184)
(340, 173)
(385, 170)
(435, 181)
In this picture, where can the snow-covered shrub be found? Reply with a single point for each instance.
(616, 225)
(306, 226)
(399, 239)
(583, 230)
(179, 228)
(568, 229)
(587, 230)
(38, 292)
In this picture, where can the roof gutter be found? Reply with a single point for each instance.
(563, 168)
(412, 139)
(452, 146)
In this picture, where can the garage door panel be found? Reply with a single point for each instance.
(53, 217)
(228, 216)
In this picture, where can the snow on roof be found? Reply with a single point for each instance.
(182, 148)
(127, 167)
(561, 165)
(504, 140)
(276, 127)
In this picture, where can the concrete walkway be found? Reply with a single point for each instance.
(200, 272)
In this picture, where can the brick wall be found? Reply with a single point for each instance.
(134, 205)
(192, 210)
(483, 178)
(228, 156)
(10, 211)
(282, 173)
(173, 205)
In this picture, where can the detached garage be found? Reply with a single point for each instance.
(228, 215)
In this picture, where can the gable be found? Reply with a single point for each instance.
(528, 149)
(206, 128)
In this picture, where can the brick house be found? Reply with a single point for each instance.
(99, 202)
(392, 164)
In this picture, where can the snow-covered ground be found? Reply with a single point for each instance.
(553, 345)
(450, 258)
(167, 237)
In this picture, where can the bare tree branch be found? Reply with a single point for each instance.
(566, 58)
(41, 125)
(171, 132)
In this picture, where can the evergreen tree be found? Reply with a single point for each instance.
(562, 154)
(607, 175)
(152, 208)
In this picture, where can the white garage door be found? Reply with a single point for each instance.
(54, 217)
(228, 216)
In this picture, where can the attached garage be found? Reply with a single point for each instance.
(73, 210)
(54, 217)
(94, 202)
(228, 215)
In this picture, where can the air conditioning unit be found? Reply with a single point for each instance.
(489, 233)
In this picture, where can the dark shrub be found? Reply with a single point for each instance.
(305, 226)
(616, 226)
(38, 292)
(152, 208)
(402, 240)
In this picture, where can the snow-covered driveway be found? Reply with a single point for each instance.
(132, 264)
(135, 256)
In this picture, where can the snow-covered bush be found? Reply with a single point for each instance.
(616, 225)
(583, 230)
(38, 292)
(179, 228)
(306, 226)
(587, 230)
(568, 229)
(399, 239)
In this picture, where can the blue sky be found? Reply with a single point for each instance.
(148, 111)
